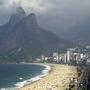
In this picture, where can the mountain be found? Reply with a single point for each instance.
(18, 15)
(22, 38)
(79, 33)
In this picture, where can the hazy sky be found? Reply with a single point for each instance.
(54, 15)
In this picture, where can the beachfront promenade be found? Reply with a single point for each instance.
(58, 79)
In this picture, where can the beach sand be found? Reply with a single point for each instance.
(58, 79)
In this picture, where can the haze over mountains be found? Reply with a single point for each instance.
(79, 33)
(22, 38)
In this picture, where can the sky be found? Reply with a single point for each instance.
(53, 15)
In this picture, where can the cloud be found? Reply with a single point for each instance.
(52, 14)
(1, 3)
(50, 6)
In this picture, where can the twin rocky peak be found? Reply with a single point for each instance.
(22, 37)
(20, 14)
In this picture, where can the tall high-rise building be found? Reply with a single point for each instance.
(55, 57)
(70, 55)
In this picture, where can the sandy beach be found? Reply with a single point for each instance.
(58, 79)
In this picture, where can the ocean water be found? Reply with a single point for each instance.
(18, 75)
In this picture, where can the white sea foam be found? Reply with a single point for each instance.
(29, 81)
(3, 89)
(12, 88)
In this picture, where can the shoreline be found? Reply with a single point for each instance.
(30, 81)
(53, 78)
(44, 72)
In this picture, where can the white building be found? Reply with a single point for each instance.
(70, 55)
(82, 55)
(63, 58)
(78, 57)
(42, 58)
(55, 57)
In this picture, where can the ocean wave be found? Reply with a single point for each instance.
(36, 78)
(12, 88)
